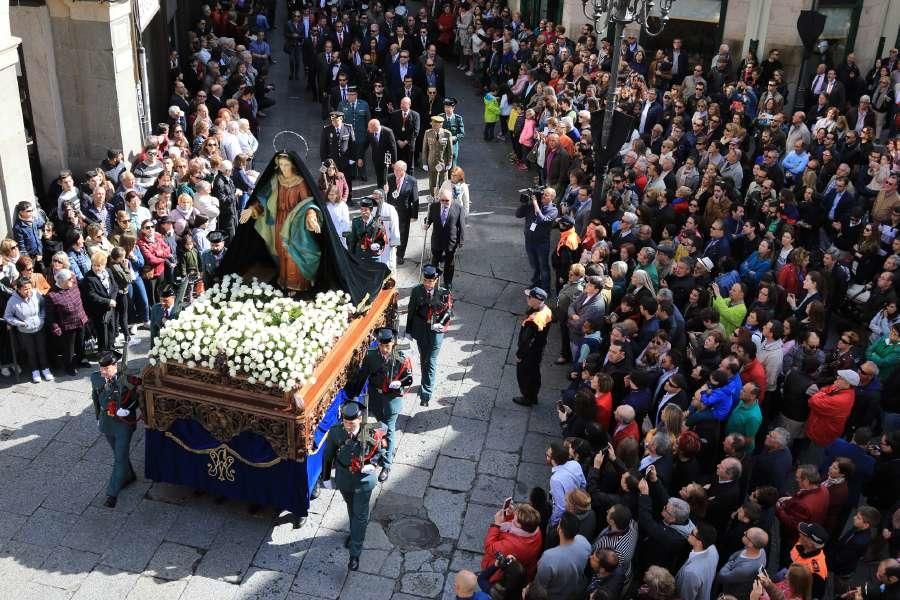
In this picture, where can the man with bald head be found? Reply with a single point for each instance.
(405, 123)
(465, 586)
(384, 149)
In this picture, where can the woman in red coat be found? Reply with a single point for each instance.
(625, 426)
(156, 252)
(516, 531)
(838, 473)
(602, 384)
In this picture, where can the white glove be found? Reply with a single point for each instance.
(327, 485)
(394, 385)
(448, 168)
(437, 328)
(375, 246)
(368, 469)
(123, 412)
(425, 168)
(352, 162)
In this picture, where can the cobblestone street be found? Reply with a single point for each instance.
(456, 460)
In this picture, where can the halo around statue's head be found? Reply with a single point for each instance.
(283, 140)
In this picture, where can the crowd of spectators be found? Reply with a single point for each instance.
(87, 262)
(728, 314)
(727, 317)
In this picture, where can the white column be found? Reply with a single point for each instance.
(15, 171)
(757, 27)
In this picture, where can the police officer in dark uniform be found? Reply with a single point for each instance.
(532, 339)
(352, 447)
(115, 406)
(388, 372)
(367, 237)
(339, 144)
(428, 317)
(454, 123)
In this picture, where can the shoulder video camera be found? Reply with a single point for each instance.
(527, 194)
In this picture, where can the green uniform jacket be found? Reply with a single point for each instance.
(157, 312)
(380, 372)
(423, 313)
(456, 127)
(363, 235)
(108, 395)
(339, 451)
(358, 118)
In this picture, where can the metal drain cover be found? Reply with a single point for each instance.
(413, 532)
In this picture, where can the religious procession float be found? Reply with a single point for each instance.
(243, 386)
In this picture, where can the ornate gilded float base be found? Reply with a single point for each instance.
(227, 407)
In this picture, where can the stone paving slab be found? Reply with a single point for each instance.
(151, 588)
(173, 562)
(260, 584)
(105, 583)
(363, 586)
(66, 568)
(464, 438)
(446, 509)
(453, 474)
(477, 519)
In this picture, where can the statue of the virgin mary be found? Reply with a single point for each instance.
(285, 226)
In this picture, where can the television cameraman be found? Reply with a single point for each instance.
(540, 215)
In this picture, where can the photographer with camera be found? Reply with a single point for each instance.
(515, 532)
(539, 216)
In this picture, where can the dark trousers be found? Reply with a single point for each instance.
(105, 330)
(294, 61)
(406, 154)
(489, 131)
(528, 376)
(120, 442)
(565, 351)
(404, 235)
(357, 501)
(539, 259)
(446, 260)
(387, 410)
(429, 344)
(34, 346)
(71, 346)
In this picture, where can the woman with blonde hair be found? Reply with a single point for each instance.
(99, 293)
(458, 188)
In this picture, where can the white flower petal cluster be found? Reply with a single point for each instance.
(263, 336)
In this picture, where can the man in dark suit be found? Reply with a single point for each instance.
(338, 143)
(412, 91)
(724, 493)
(837, 204)
(405, 125)
(556, 165)
(398, 71)
(382, 141)
(449, 222)
(340, 92)
(421, 40)
(857, 117)
(403, 195)
(530, 87)
(312, 46)
(431, 77)
(651, 113)
(341, 37)
(679, 62)
(837, 94)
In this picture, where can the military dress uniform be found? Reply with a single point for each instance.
(437, 154)
(339, 144)
(457, 128)
(367, 239)
(428, 318)
(115, 406)
(353, 458)
(357, 115)
(388, 377)
(532, 340)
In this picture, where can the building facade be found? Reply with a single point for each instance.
(77, 77)
(866, 27)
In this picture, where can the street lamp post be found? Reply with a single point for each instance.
(618, 13)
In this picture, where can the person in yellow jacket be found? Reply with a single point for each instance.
(532, 340)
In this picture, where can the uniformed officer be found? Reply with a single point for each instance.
(352, 451)
(339, 144)
(115, 406)
(212, 258)
(428, 317)
(454, 124)
(437, 153)
(168, 307)
(357, 115)
(367, 238)
(532, 339)
(388, 372)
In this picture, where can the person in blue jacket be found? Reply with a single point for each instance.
(28, 231)
(757, 264)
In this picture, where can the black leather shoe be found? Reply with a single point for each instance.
(521, 401)
(423, 402)
(299, 522)
(347, 542)
(72, 371)
(353, 565)
(385, 473)
(110, 502)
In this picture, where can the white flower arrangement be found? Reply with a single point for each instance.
(263, 336)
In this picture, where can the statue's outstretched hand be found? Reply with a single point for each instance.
(246, 214)
(312, 222)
